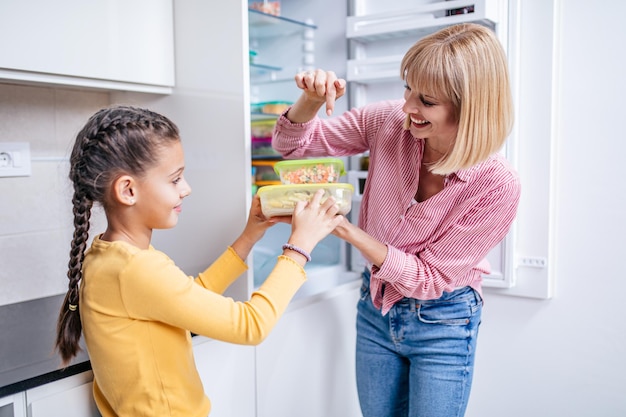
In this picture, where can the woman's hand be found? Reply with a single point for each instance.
(318, 87)
(373, 250)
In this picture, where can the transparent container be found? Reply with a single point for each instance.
(262, 129)
(310, 171)
(280, 200)
(264, 173)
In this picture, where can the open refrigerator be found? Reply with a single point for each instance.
(362, 41)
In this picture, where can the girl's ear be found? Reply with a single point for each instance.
(124, 190)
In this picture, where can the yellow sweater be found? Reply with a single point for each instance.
(138, 309)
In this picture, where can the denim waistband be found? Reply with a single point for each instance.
(459, 292)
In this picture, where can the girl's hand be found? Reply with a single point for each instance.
(255, 229)
(321, 86)
(313, 221)
(257, 222)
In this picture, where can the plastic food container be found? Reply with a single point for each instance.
(270, 107)
(275, 107)
(262, 129)
(310, 171)
(280, 200)
(265, 173)
(269, 7)
(262, 147)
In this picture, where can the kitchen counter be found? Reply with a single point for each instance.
(27, 355)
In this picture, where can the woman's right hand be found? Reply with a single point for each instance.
(318, 87)
(312, 221)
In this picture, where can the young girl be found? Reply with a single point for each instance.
(437, 199)
(136, 307)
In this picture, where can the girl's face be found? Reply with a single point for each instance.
(430, 118)
(161, 191)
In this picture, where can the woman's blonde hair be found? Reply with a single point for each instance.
(466, 65)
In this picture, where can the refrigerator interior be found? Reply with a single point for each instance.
(299, 47)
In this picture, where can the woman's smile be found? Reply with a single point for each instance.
(419, 123)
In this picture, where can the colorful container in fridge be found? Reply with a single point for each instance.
(310, 171)
(265, 173)
(262, 129)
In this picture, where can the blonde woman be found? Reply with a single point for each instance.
(437, 199)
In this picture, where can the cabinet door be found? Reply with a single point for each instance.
(68, 397)
(227, 373)
(99, 44)
(306, 366)
(13, 405)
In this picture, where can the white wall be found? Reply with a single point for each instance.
(36, 211)
(567, 356)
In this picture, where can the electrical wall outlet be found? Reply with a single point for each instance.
(532, 262)
(15, 159)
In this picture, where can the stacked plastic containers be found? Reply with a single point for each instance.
(300, 180)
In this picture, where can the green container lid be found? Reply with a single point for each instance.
(297, 163)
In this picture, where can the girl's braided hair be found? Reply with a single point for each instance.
(114, 141)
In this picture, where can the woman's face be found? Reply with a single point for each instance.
(430, 117)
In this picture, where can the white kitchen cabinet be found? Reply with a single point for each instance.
(227, 372)
(13, 405)
(105, 44)
(67, 397)
(306, 365)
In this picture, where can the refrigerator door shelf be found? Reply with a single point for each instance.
(378, 69)
(420, 20)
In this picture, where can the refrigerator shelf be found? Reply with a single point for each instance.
(262, 69)
(263, 116)
(419, 20)
(263, 25)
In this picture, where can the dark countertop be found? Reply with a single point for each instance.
(27, 355)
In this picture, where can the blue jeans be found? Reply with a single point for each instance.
(418, 360)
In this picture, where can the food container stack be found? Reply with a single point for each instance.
(300, 180)
(262, 138)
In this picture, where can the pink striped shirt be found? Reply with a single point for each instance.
(433, 246)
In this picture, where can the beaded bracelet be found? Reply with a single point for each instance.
(297, 249)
